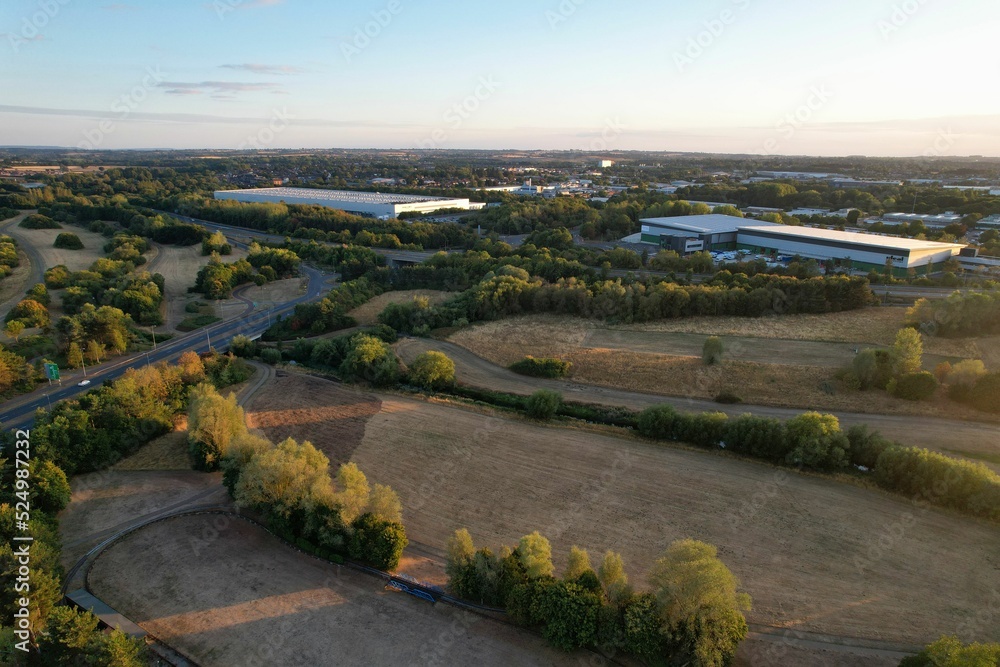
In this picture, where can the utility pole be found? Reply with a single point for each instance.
(209, 338)
(153, 334)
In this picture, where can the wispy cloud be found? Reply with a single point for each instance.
(119, 7)
(258, 68)
(226, 89)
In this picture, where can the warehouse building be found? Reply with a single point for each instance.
(855, 250)
(692, 233)
(371, 204)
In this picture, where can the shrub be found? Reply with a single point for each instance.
(712, 351)
(705, 429)
(873, 368)
(760, 437)
(816, 441)
(68, 241)
(541, 368)
(866, 445)
(728, 398)
(369, 360)
(270, 356)
(543, 404)
(432, 370)
(914, 386)
(39, 222)
(377, 542)
(659, 421)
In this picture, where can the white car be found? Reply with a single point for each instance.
(83, 384)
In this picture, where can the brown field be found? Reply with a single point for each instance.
(287, 408)
(763, 371)
(168, 452)
(75, 260)
(276, 293)
(179, 268)
(368, 313)
(106, 502)
(244, 598)
(796, 552)
(13, 287)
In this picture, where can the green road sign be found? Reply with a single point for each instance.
(52, 371)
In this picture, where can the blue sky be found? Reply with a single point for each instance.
(876, 77)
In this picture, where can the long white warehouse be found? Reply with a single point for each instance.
(374, 204)
(860, 250)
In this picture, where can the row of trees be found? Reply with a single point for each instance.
(693, 614)
(291, 486)
(961, 314)
(9, 258)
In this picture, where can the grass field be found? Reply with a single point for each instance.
(168, 452)
(368, 313)
(179, 268)
(74, 260)
(792, 539)
(243, 598)
(790, 371)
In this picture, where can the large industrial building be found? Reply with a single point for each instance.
(373, 204)
(857, 250)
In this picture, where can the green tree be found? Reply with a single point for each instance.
(118, 650)
(376, 542)
(68, 635)
(535, 554)
(461, 551)
(700, 608)
(816, 441)
(95, 352)
(432, 370)
(68, 241)
(908, 351)
(353, 492)
(370, 360)
(384, 504)
(74, 355)
(570, 612)
(577, 563)
(951, 652)
(50, 489)
(543, 404)
(712, 351)
(214, 422)
(14, 329)
(613, 579)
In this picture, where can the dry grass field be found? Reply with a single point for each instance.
(793, 540)
(179, 268)
(168, 452)
(246, 599)
(368, 313)
(786, 372)
(74, 260)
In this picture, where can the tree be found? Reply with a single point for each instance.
(95, 352)
(192, 367)
(370, 360)
(74, 355)
(577, 563)
(816, 441)
(570, 614)
(612, 576)
(908, 351)
(68, 241)
(51, 492)
(543, 404)
(353, 493)
(377, 542)
(14, 329)
(384, 504)
(30, 312)
(950, 652)
(711, 352)
(535, 554)
(117, 650)
(461, 550)
(432, 370)
(68, 635)
(966, 373)
(213, 423)
(700, 608)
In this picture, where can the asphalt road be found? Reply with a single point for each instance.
(37, 274)
(218, 336)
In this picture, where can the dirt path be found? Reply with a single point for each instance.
(944, 435)
(30, 272)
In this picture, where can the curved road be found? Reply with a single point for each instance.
(929, 432)
(37, 274)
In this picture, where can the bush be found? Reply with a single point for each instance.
(432, 370)
(270, 356)
(543, 404)
(728, 398)
(761, 437)
(68, 241)
(705, 429)
(873, 368)
(377, 542)
(866, 445)
(659, 422)
(712, 351)
(914, 386)
(541, 368)
(369, 360)
(816, 441)
(39, 222)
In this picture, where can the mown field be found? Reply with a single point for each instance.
(368, 313)
(815, 554)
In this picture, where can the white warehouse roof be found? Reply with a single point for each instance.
(349, 196)
(856, 238)
(701, 224)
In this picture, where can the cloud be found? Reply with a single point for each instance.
(222, 6)
(119, 7)
(258, 68)
(216, 88)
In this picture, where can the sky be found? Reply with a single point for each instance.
(854, 77)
